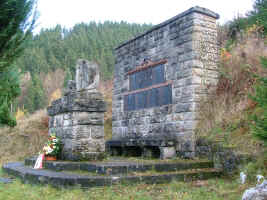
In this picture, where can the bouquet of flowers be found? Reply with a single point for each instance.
(53, 146)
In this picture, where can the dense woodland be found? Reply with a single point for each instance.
(57, 50)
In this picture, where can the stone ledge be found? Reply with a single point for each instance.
(60, 179)
(140, 142)
(121, 167)
(82, 101)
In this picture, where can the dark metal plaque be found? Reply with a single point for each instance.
(146, 78)
(148, 89)
(149, 98)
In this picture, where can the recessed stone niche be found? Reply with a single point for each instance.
(78, 117)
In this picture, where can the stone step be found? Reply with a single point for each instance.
(68, 179)
(123, 166)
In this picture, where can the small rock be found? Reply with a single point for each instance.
(259, 178)
(5, 180)
(257, 193)
(243, 177)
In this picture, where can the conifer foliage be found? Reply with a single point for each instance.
(15, 26)
(259, 125)
(258, 15)
(59, 49)
(16, 23)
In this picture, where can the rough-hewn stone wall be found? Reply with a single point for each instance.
(78, 117)
(187, 43)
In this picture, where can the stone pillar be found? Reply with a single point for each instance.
(78, 117)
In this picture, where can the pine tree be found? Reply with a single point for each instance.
(36, 98)
(259, 15)
(68, 77)
(259, 125)
(9, 90)
(15, 27)
(57, 47)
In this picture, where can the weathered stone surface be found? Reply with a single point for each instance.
(167, 152)
(83, 101)
(257, 193)
(87, 75)
(63, 179)
(224, 158)
(187, 47)
(122, 166)
(86, 118)
(71, 87)
(78, 117)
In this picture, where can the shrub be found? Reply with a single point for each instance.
(259, 125)
(224, 113)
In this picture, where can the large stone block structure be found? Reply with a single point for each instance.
(160, 77)
(78, 117)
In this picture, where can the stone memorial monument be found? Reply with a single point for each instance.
(160, 77)
(78, 117)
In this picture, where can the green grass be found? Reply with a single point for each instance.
(214, 189)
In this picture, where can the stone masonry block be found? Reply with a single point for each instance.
(88, 118)
(167, 153)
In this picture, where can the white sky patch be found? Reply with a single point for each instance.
(70, 12)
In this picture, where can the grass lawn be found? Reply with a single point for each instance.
(214, 189)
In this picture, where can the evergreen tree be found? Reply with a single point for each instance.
(36, 98)
(15, 27)
(56, 48)
(259, 14)
(259, 125)
(9, 90)
(60, 48)
(68, 77)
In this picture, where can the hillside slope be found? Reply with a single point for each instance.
(50, 57)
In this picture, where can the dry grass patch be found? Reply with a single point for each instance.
(225, 114)
(26, 139)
